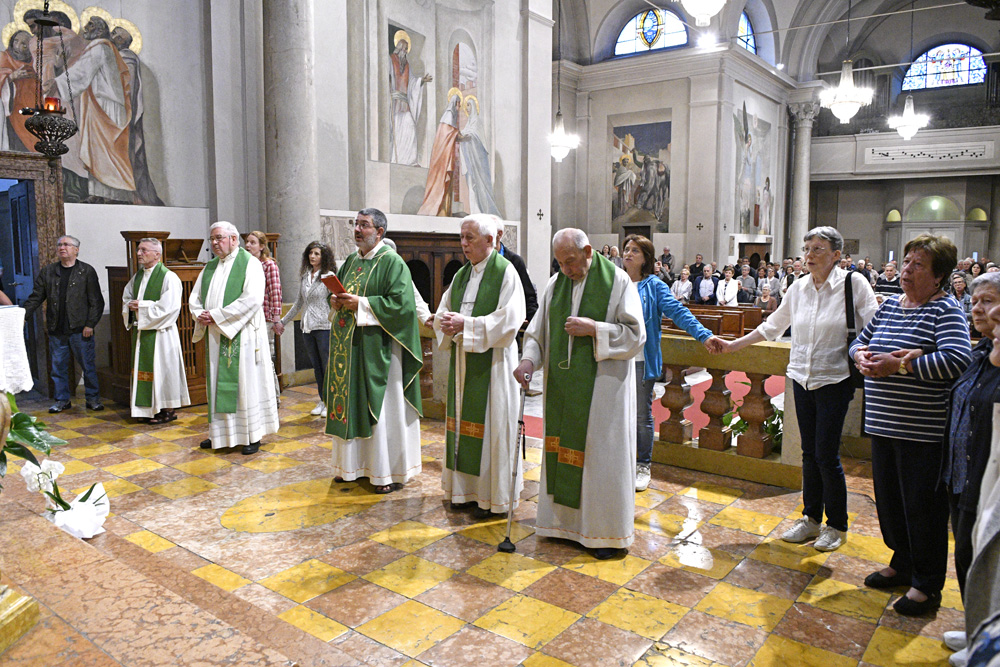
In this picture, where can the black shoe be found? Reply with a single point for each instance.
(606, 553)
(60, 406)
(250, 449)
(462, 506)
(206, 444)
(96, 406)
(879, 580)
(480, 513)
(907, 607)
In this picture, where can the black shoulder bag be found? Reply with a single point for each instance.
(857, 379)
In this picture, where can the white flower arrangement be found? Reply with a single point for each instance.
(83, 517)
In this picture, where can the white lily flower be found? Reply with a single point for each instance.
(30, 472)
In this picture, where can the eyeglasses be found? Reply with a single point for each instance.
(65, 245)
(217, 238)
(816, 250)
(363, 225)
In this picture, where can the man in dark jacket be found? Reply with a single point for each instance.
(704, 297)
(530, 297)
(74, 307)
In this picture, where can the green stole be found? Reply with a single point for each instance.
(358, 369)
(569, 387)
(146, 340)
(476, 389)
(227, 379)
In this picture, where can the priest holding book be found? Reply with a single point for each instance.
(373, 386)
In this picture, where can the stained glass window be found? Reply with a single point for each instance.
(649, 30)
(946, 65)
(744, 35)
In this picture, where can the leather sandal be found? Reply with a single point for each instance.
(163, 418)
(383, 489)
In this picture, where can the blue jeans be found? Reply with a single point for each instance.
(84, 352)
(821, 413)
(317, 344)
(643, 415)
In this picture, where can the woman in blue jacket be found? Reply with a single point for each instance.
(657, 303)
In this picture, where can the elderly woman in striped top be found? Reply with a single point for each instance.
(911, 352)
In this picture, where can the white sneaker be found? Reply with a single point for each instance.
(956, 640)
(829, 538)
(959, 659)
(803, 529)
(320, 409)
(641, 476)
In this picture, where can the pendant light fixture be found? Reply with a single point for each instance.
(910, 122)
(560, 141)
(846, 99)
(703, 10)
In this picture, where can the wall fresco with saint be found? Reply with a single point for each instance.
(640, 174)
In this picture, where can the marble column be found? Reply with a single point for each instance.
(292, 182)
(803, 114)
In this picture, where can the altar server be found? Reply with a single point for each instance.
(151, 304)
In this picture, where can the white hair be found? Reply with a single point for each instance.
(390, 243)
(486, 223)
(226, 226)
(571, 235)
(155, 243)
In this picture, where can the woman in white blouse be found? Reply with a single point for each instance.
(681, 289)
(314, 301)
(728, 289)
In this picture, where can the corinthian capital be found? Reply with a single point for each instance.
(803, 111)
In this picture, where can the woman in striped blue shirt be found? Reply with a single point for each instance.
(911, 352)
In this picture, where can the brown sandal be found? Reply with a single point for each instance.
(387, 488)
(163, 418)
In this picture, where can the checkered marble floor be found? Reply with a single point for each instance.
(277, 564)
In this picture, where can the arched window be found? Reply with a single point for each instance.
(946, 65)
(744, 35)
(651, 29)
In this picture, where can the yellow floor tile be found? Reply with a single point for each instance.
(155, 449)
(745, 520)
(713, 563)
(411, 628)
(284, 446)
(410, 576)
(426, 459)
(651, 498)
(296, 431)
(951, 597)
(712, 493)
(202, 466)
(271, 463)
(326, 444)
(494, 530)
(221, 577)
(616, 570)
(150, 541)
(135, 467)
(89, 451)
(409, 536)
(542, 660)
(637, 612)
(512, 571)
(307, 580)
(891, 648)
(527, 621)
(82, 422)
(733, 603)
(534, 475)
(793, 556)
(314, 623)
(663, 655)
(312, 502)
(181, 488)
(66, 434)
(671, 525)
(173, 433)
(72, 467)
(533, 455)
(779, 652)
(869, 548)
(302, 407)
(115, 435)
(865, 604)
(114, 488)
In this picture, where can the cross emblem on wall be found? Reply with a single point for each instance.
(700, 226)
(540, 214)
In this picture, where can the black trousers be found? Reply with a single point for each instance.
(912, 509)
(962, 522)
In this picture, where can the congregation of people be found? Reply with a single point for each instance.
(899, 333)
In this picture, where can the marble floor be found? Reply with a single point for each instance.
(214, 558)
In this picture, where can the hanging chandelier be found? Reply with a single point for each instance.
(846, 99)
(560, 141)
(910, 122)
(48, 122)
(703, 10)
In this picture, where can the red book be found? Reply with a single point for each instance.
(334, 285)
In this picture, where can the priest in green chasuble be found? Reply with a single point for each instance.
(227, 304)
(477, 324)
(373, 384)
(151, 304)
(585, 335)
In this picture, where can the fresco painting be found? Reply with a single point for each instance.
(754, 194)
(640, 174)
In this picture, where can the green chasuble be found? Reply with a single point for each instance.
(146, 340)
(358, 370)
(569, 387)
(227, 378)
(476, 388)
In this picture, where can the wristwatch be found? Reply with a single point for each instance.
(902, 369)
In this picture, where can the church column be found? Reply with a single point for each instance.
(803, 114)
(292, 184)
